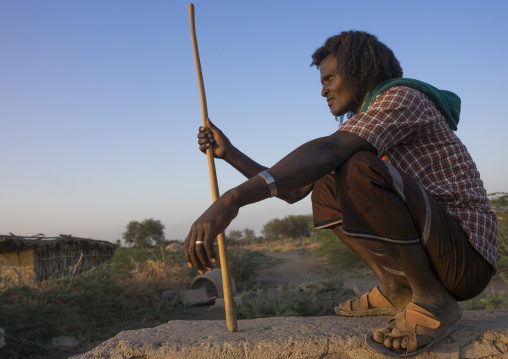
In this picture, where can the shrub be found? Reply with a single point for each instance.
(489, 300)
(244, 263)
(502, 226)
(337, 253)
(316, 299)
(288, 227)
(94, 306)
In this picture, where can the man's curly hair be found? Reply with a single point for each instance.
(362, 61)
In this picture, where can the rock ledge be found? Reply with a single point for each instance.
(480, 334)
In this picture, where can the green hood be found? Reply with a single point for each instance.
(446, 102)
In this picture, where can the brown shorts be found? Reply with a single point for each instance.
(378, 204)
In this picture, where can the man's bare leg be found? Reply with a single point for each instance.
(397, 293)
(428, 291)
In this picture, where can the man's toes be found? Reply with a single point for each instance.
(379, 335)
(388, 342)
(396, 342)
(393, 340)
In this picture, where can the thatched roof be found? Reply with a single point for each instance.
(12, 243)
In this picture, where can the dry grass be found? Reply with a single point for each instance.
(122, 295)
(154, 276)
(281, 245)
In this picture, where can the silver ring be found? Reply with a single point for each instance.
(199, 242)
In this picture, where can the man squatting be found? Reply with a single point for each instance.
(394, 183)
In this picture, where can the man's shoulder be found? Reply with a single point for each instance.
(409, 92)
(398, 95)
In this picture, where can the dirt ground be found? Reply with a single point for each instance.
(294, 268)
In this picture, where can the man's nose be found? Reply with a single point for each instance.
(324, 92)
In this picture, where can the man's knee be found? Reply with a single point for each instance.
(324, 189)
(360, 175)
(329, 189)
(325, 207)
(357, 166)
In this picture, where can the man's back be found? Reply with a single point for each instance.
(406, 127)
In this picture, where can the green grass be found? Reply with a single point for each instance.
(338, 254)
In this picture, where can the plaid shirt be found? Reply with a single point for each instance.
(406, 127)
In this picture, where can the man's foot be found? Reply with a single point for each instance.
(418, 327)
(371, 303)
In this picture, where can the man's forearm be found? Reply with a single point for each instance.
(243, 163)
(250, 168)
(303, 166)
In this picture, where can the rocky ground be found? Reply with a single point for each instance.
(480, 334)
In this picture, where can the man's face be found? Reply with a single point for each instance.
(334, 89)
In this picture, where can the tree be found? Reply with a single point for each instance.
(249, 234)
(289, 227)
(499, 201)
(145, 233)
(234, 235)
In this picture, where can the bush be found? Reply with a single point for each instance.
(244, 263)
(94, 306)
(488, 300)
(337, 253)
(316, 299)
(502, 226)
(288, 227)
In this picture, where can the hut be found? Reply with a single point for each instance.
(34, 259)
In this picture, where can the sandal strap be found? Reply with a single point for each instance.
(412, 322)
(412, 341)
(364, 302)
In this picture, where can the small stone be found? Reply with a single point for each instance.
(490, 336)
(175, 247)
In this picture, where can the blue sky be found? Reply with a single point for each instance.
(99, 102)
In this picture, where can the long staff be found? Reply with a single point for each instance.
(226, 276)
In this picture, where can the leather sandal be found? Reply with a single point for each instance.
(411, 323)
(365, 307)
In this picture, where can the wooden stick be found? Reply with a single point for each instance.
(226, 276)
(75, 267)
